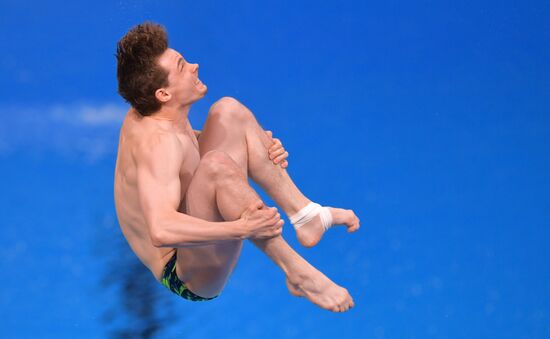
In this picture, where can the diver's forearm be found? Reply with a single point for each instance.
(181, 230)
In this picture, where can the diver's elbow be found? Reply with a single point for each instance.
(158, 236)
(157, 240)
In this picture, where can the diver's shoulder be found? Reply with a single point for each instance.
(157, 141)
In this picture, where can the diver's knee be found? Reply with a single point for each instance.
(218, 164)
(229, 109)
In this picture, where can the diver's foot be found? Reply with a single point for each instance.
(311, 233)
(320, 290)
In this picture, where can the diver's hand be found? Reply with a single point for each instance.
(261, 221)
(277, 152)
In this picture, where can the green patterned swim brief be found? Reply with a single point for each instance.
(173, 283)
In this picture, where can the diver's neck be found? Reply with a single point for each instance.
(176, 115)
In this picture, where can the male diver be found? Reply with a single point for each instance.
(182, 197)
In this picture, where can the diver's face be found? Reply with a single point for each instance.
(184, 85)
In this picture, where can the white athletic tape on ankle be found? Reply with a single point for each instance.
(309, 212)
(326, 218)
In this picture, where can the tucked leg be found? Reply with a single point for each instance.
(217, 192)
(239, 135)
(231, 127)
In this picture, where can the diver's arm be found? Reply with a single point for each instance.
(159, 162)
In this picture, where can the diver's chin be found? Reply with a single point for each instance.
(203, 90)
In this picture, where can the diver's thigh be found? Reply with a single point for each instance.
(205, 268)
(224, 134)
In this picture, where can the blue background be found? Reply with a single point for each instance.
(429, 118)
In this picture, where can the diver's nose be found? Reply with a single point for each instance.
(196, 68)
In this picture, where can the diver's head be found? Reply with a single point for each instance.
(184, 86)
(151, 75)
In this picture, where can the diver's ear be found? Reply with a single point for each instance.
(163, 95)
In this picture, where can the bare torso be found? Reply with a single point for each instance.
(134, 131)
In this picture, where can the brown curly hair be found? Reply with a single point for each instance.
(138, 72)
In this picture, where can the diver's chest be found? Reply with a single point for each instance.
(188, 168)
(191, 160)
